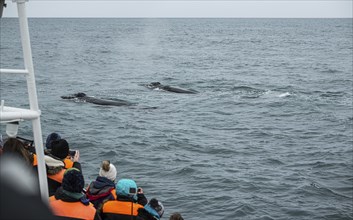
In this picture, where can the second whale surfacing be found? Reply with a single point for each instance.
(83, 97)
(158, 85)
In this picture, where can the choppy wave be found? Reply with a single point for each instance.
(268, 136)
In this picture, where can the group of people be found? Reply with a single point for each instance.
(104, 198)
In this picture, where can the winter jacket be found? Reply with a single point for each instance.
(143, 214)
(101, 190)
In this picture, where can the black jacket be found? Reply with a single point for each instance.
(144, 215)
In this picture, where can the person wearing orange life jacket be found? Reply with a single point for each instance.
(69, 202)
(103, 188)
(55, 164)
(48, 144)
(129, 200)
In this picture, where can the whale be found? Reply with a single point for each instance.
(158, 85)
(84, 98)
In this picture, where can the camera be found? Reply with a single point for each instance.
(72, 153)
(132, 191)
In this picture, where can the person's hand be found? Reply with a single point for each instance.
(76, 158)
(139, 190)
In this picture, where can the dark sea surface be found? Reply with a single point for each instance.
(268, 136)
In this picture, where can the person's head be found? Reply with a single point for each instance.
(176, 216)
(60, 148)
(155, 208)
(15, 146)
(73, 180)
(126, 188)
(108, 170)
(51, 137)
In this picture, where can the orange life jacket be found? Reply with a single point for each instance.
(113, 192)
(72, 209)
(68, 163)
(35, 161)
(58, 177)
(120, 207)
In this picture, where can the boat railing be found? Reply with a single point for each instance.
(12, 114)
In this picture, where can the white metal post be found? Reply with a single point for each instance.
(32, 94)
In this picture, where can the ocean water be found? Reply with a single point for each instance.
(268, 136)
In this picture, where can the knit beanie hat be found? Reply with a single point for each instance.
(73, 180)
(60, 148)
(108, 170)
(51, 137)
(155, 208)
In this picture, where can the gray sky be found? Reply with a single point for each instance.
(186, 8)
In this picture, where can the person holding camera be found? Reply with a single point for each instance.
(55, 164)
(53, 137)
(129, 200)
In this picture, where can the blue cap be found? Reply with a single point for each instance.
(123, 188)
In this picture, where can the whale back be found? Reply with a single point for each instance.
(80, 95)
